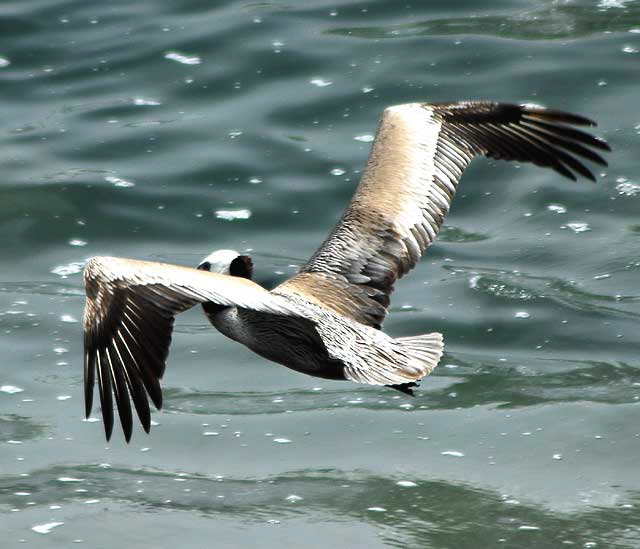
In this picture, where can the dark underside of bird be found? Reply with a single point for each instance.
(326, 320)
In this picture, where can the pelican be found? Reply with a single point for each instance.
(325, 321)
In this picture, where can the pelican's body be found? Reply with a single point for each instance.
(325, 321)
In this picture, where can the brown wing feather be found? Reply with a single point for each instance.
(417, 158)
(128, 321)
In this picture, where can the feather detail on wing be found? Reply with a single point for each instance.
(128, 321)
(417, 158)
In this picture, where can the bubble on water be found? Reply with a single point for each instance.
(626, 187)
(232, 215)
(281, 440)
(577, 227)
(142, 102)
(606, 4)
(557, 208)
(46, 528)
(77, 242)
(182, 58)
(320, 82)
(453, 453)
(118, 182)
(406, 483)
(67, 318)
(521, 314)
(64, 271)
(365, 138)
(10, 389)
(338, 171)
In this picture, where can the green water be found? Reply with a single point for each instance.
(528, 433)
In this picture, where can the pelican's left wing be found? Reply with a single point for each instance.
(128, 321)
(416, 161)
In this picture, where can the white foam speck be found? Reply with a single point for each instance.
(90, 501)
(294, 498)
(77, 242)
(320, 82)
(231, 215)
(63, 397)
(67, 318)
(4, 62)
(46, 528)
(606, 4)
(527, 527)
(337, 171)
(118, 182)
(140, 101)
(376, 509)
(453, 453)
(630, 49)
(367, 89)
(181, 58)
(626, 187)
(280, 440)
(406, 483)
(10, 389)
(70, 479)
(577, 227)
(365, 138)
(522, 314)
(70, 268)
(557, 208)
(557, 456)
(210, 433)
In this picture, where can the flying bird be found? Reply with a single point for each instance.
(326, 320)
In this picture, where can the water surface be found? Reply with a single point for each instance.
(162, 131)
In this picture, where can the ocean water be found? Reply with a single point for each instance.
(164, 130)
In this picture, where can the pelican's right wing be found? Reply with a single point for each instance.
(128, 321)
(416, 161)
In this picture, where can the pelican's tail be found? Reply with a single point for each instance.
(424, 351)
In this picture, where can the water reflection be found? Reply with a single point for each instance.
(406, 513)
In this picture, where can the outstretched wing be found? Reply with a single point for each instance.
(128, 321)
(416, 161)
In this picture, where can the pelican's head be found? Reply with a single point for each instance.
(228, 262)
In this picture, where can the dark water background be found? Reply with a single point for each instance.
(164, 130)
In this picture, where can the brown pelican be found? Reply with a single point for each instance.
(325, 321)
